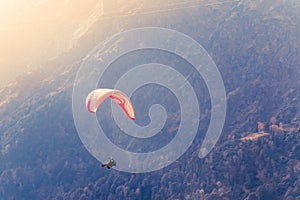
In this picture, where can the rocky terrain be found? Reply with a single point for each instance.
(255, 45)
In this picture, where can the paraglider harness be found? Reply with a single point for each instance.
(109, 164)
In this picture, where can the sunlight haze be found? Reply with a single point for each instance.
(35, 31)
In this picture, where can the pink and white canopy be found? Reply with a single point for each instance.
(96, 97)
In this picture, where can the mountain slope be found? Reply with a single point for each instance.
(256, 49)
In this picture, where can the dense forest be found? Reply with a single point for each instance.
(256, 47)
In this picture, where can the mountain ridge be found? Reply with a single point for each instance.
(42, 156)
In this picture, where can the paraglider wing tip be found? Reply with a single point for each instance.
(90, 110)
(88, 106)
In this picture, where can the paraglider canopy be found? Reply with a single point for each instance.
(96, 97)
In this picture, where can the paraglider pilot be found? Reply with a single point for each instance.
(109, 164)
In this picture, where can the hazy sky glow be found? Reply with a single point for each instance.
(33, 31)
